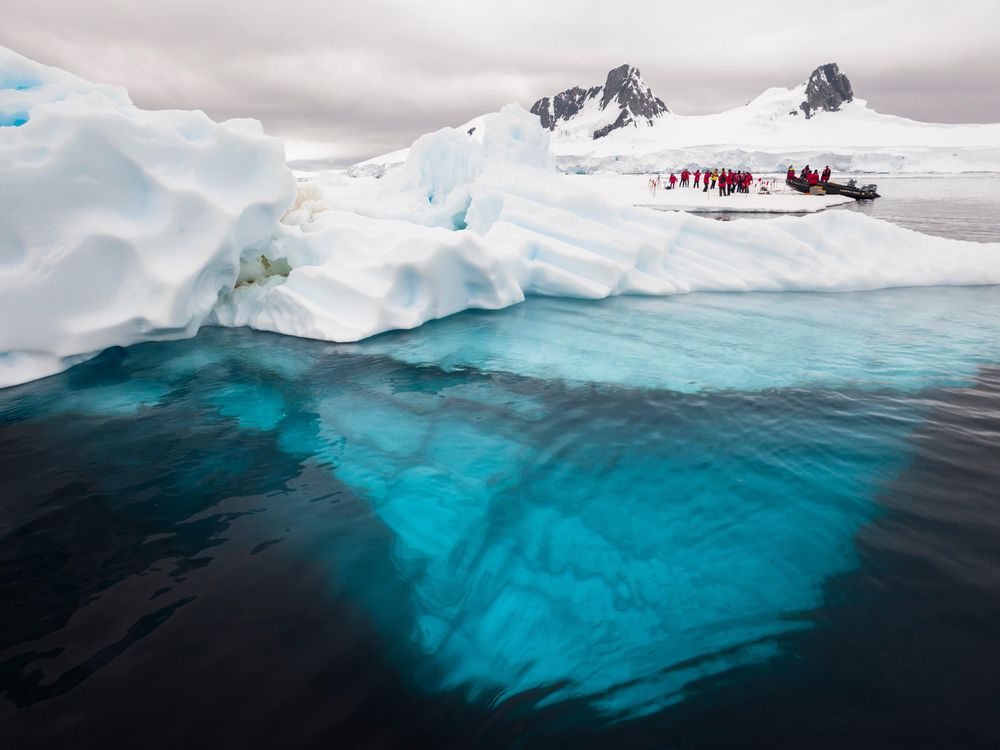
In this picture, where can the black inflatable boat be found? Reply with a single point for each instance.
(851, 189)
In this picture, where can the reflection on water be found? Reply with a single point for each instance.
(428, 540)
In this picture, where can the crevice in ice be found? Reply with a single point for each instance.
(18, 84)
(262, 268)
(13, 119)
(460, 220)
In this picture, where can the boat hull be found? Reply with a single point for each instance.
(864, 193)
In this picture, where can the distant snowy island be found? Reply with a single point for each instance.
(622, 126)
(119, 225)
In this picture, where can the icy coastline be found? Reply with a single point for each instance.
(119, 225)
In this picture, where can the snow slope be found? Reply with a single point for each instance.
(764, 136)
(482, 220)
(118, 225)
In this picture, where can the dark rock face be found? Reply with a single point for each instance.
(826, 90)
(562, 106)
(624, 89)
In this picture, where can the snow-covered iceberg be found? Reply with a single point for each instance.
(482, 219)
(118, 225)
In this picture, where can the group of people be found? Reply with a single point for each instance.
(809, 175)
(726, 180)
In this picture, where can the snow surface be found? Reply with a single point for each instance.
(633, 190)
(118, 225)
(764, 136)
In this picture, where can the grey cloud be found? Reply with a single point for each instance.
(370, 77)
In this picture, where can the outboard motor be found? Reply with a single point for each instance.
(869, 189)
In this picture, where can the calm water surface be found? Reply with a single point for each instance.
(959, 206)
(703, 521)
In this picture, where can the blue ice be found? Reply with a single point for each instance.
(618, 555)
(13, 119)
(901, 338)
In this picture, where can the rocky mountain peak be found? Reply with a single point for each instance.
(826, 89)
(623, 90)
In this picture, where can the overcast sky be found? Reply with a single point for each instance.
(348, 80)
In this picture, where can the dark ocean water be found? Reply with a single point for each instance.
(766, 520)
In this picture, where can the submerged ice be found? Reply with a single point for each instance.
(555, 535)
(892, 339)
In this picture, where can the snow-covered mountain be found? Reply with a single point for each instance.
(623, 126)
(623, 100)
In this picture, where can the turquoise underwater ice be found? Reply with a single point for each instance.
(580, 504)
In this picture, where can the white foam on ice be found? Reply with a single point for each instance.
(118, 225)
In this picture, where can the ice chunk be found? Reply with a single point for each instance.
(482, 223)
(118, 225)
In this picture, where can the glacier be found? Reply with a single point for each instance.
(119, 225)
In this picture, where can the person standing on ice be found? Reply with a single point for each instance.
(826, 174)
(722, 182)
(707, 176)
(673, 181)
(697, 179)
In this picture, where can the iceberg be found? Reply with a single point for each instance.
(118, 225)
(482, 219)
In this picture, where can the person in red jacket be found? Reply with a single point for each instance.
(722, 182)
(673, 181)
(790, 174)
(826, 174)
(697, 178)
(730, 181)
(813, 179)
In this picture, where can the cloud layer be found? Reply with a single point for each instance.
(344, 81)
